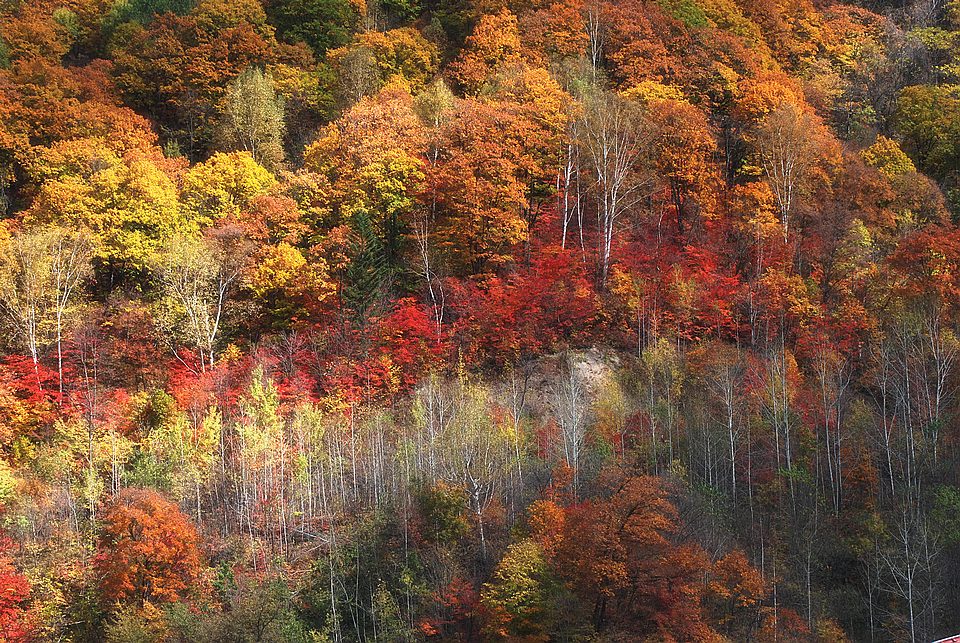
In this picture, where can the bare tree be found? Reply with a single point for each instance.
(433, 281)
(595, 33)
(358, 75)
(463, 445)
(614, 138)
(788, 149)
(571, 405)
(40, 272)
(70, 255)
(724, 380)
(833, 377)
(910, 561)
(198, 276)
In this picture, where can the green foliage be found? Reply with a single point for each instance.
(259, 611)
(686, 11)
(143, 11)
(929, 119)
(4, 54)
(253, 117)
(177, 455)
(452, 20)
(368, 272)
(8, 483)
(402, 11)
(321, 24)
(946, 513)
(375, 580)
(181, 621)
(521, 595)
(261, 426)
(388, 621)
(442, 512)
(130, 626)
(69, 21)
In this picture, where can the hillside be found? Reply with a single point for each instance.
(479, 320)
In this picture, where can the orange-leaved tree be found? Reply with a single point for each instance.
(147, 550)
(620, 554)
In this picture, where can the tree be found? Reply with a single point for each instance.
(495, 42)
(253, 117)
(929, 118)
(27, 294)
(614, 138)
(291, 289)
(267, 461)
(735, 593)
(371, 158)
(617, 554)
(177, 68)
(40, 272)
(259, 610)
(911, 560)
(395, 54)
(684, 150)
(511, 176)
(198, 276)
(722, 374)
(571, 407)
(487, 189)
(224, 186)
(129, 206)
(185, 446)
(885, 155)
(147, 551)
(790, 142)
(519, 599)
(459, 444)
(71, 253)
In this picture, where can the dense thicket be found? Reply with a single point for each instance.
(532, 320)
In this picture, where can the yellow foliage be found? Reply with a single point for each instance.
(224, 185)
(648, 90)
(885, 155)
(130, 205)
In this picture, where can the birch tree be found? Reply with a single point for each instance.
(41, 271)
(571, 405)
(614, 138)
(198, 277)
(788, 151)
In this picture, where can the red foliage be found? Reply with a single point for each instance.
(36, 383)
(410, 338)
(928, 263)
(544, 307)
(456, 602)
(14, 591)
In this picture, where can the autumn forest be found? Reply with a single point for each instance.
(479, 320)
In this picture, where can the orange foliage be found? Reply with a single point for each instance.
(147, 550)
(495, 42)
(618, 554)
